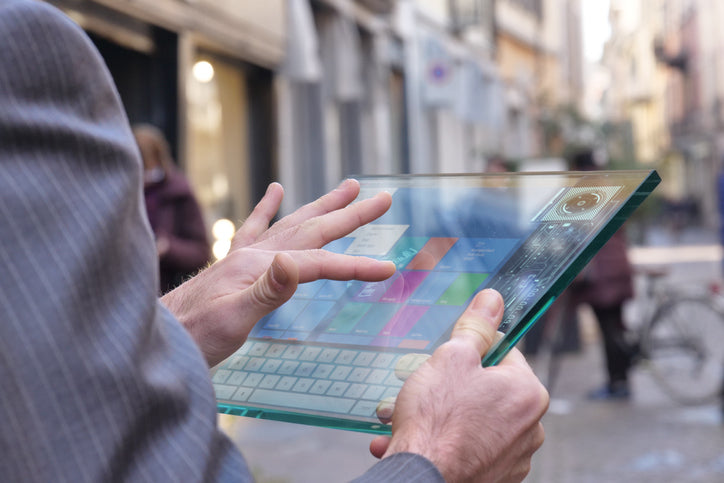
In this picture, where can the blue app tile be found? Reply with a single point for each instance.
(339, 245)
(434, 323)
(282, 317)
(432, 288)
(332, 290)
(308, 290)
(312, 315)
(476, 254)
(345, 339)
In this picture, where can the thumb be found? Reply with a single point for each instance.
(274, 287)
(479, 322)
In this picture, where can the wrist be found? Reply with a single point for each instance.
(414, 445)
(437, 444)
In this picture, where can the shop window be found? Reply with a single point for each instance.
(227, 167)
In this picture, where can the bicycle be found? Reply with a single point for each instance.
(679, 339)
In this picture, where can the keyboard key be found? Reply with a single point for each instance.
(271, 365)
(310, 353)
(302, 401)
(303, 385)
(340, 373)
(328, 355)
(236, 378)
(238, 362)
(364, 359)
(276, 350)
(355, 391)
(323, 371)
(269, 381)
(254, 364)
(253, 379)
(346, 357)
(258, 349)
(390, 392)
(292, 352)
(358, 374)
(384, 360)
(221, 376)
(378, 376)
(320, 386)
(374, 392)
(338, 388)
(223, 391)
(365, 408)
(305, 369)
(242, 394)
(286, 383)
(288, 367)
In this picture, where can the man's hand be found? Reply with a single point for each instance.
(220, 305)
(473, 423)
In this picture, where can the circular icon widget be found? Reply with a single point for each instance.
(581, 203)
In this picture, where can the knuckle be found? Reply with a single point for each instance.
(477, 328)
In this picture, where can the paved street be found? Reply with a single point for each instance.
(647, 439)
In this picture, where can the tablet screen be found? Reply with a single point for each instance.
(526, 235)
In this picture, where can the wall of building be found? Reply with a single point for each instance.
(310, 91)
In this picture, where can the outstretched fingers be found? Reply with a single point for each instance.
(336, 199)
(258, 221)
(317, 232)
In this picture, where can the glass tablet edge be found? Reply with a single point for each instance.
(305, 419)
(508, 341)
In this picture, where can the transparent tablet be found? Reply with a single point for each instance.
(334, 353)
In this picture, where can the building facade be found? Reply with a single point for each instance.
(689, 45)
(308, 92)
(202, 71)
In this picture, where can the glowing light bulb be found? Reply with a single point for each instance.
(223, 229)
(203, 71)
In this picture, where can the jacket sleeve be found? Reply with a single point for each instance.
(99, 381)
(402, 468)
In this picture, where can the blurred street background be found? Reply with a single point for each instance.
(307, 92)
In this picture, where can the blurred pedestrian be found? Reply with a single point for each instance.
(605, 284)
(720, 199)
(497, 164)
(175, 216)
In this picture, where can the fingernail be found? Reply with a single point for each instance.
(278, 274)
(487, 303)
(271, 187)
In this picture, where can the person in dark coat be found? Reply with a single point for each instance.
(175, 217)
(605, 284)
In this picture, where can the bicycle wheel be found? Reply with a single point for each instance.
(683, 346)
